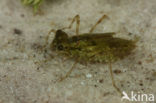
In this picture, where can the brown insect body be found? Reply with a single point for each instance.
(98, 47)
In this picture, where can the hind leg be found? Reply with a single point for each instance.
(113, 81)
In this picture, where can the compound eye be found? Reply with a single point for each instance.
(60, 47)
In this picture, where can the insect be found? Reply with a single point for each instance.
(91, 47)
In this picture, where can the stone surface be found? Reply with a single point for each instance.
(22, 35)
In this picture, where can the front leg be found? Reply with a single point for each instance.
(77, 19)
(68, 73)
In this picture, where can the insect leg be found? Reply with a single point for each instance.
(69, 72)
(112, 77)
(77, 19)
(47, 37)
(98, 22)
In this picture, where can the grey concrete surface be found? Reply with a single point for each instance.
(22, 34)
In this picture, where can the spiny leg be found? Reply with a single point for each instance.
(77, 19)
(98, 22)
(112, 77)
(68, 73)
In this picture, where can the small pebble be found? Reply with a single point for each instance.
(88, 75)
